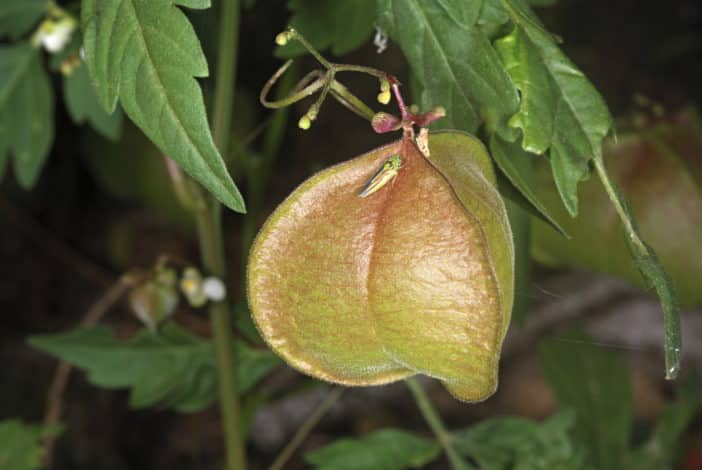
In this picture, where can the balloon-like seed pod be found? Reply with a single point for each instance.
(414, 278)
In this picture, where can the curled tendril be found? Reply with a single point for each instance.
(325, 80)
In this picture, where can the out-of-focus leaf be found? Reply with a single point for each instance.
(26, 111)
(342, 25)
(595, 383)
(662, 450)
(492, 17)
(147, 55)
(389, 449)
(560, 111)
(516, 164)
(520, 444)
(21, 444)
(83, 105)
(657, 170)
(143, 180)
(171, 368)
(453, 61)
(18, 16)
(542, 3)
(520, 223)
(245, 325)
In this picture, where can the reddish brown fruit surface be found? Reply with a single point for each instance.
(415, 278)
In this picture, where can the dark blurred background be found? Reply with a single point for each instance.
(101, 208)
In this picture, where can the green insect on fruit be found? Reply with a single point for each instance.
(385, 174)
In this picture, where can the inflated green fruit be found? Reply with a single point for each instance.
(416, 277)
(659, 169)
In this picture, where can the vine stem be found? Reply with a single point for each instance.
(306, 428)
(209, 228)
(437, 426)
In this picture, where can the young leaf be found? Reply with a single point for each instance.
(26, 111)
(652, 271)
(560, 111)
(342, 25)
(171, 368)
(146, 54)
(596, 384)
(452, 59)
(519, 444)
(515, 164)
(388, 449)
(83, 105)
(21, 444)
(18, 16)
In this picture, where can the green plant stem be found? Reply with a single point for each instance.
(209, 225)
(226, 73)
(212, 251)
(307, 427)
(436, 424)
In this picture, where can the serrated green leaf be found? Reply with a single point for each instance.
(519, 444)
(596, 384)
(516, 165)
(453, 60)
(26, 111)
(18, 16)
(560, 110)
(388, 449)
(146, 54)
(171, 368)
(83, 105)
(492, 15)
(21, 447)
(342, 25)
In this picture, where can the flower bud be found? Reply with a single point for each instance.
(304, 123)
(384, 97)
(53, 34)
(283, 38)
(214, 289)
(191, 285)
(155, 300)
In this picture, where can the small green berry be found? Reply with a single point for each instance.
(282, 38)
(304, 123)
(384, 97)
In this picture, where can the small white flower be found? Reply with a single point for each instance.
(214, 289)
(53, 35)
(380, 41)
